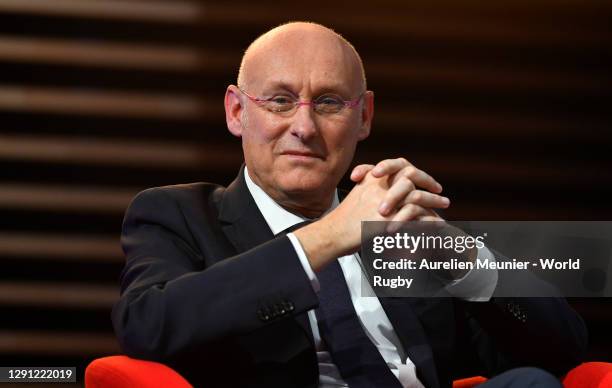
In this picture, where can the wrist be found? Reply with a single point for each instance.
(319, 241)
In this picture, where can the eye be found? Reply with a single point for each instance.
(329, 103)
(281, 100)
(330, 99)
(280, 103)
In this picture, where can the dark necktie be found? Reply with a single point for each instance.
(357, 358)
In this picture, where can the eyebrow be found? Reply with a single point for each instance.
(339, 89)
(276, 86)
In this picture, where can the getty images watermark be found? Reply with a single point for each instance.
(481, 259)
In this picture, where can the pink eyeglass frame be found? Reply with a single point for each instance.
(347, 104)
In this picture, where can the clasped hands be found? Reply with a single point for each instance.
(392, 190)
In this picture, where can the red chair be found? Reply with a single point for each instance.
(125, 372)
(590, 375)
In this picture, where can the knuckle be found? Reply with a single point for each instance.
(410, 171)
(409, 185)
(411, 210)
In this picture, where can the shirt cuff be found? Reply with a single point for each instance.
(314, 281)
(478, 284)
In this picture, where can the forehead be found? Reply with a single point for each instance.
(303, 61)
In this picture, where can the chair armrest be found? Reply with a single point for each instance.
(125, 372)
(469, 382)
(589, 375)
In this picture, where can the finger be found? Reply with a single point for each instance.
(394, 166)
(410, 212)
(420, 178)
(395, 196)
(389, 167)
(432, 216)
(429, 216)
(427, 199)
(407, 213)
(360, 171)
(435, 216)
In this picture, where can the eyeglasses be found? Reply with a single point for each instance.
(286, 104)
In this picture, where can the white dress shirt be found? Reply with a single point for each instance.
(371, 314)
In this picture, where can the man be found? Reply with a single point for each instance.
(216, 288)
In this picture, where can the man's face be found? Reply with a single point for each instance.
(304, 153)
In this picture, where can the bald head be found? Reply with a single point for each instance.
(300, 42)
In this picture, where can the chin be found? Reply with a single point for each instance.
(303, 184)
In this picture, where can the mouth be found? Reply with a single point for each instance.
(302, 154)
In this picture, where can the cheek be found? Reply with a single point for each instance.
(343, 142)
(261, 131)
(260, 137)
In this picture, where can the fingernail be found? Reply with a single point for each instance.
(445, 201)
(439, 187)
(384, 208)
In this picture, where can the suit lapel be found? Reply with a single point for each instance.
(240, 218)
(246, 228)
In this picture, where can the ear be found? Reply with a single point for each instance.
(367, 114)
(233, 110)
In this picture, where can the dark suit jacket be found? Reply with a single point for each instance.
(208, 290)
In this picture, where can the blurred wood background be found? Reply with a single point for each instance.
(506, 103)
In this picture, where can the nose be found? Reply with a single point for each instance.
(304, 125)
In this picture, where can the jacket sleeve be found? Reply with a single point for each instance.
(174, 300)
(509, 332)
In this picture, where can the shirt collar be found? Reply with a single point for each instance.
(277, 217)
